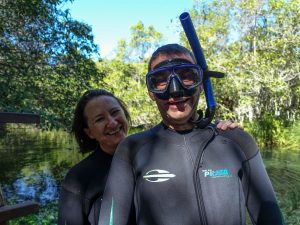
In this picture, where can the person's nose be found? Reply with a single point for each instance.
(175, 90)
(111, 122)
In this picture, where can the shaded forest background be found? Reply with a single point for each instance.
(48, 59)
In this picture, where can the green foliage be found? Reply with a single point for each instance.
(46, 63)
(255, 44)
(268, 131)
(124, 75)
(127, 81)
(143, 40)
(45, 59)
(211, 21)
(292, 138)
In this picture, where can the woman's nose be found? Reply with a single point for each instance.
(111, 122)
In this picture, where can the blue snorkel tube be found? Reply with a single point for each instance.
(197, 50)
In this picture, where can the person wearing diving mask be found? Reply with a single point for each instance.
(179, 174)
(174, 82)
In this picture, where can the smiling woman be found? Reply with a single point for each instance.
(106, 122)
(100, 123)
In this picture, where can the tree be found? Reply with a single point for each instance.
(45, 59)
(256, 44)
(270, 57)
(122, 51)
(124, 75)
(143, 40)
(127, 81)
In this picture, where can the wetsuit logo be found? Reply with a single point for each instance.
(158, 175)
(216, 173)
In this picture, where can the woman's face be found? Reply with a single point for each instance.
(106, 122)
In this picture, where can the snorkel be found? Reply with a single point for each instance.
(191, 35)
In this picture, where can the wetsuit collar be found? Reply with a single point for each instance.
(177, 131)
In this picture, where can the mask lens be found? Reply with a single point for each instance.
(159, 80)
(189, 76)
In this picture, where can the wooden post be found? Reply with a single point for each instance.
(2, 200)
(2, 203)
(11, 117)
(9, 212)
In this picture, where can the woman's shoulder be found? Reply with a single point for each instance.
(89, 170)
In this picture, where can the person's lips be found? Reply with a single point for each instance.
(115, 131)
(174, 102)
(177, 103)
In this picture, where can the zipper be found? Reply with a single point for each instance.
(196, 179)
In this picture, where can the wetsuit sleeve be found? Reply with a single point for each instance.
(70, 209)
(118, 195)
(258, 191)
(261, 201)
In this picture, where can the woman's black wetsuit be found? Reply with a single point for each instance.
(82, 190)
(199, 177)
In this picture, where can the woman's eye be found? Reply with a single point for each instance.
(114, 112)
(99, 119)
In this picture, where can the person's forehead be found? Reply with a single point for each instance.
(163, 57)
(100, 104)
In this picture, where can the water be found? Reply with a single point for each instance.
(33, 164)
(284, 172)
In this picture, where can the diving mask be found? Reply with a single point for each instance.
(174, 78)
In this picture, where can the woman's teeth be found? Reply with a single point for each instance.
(114, 132)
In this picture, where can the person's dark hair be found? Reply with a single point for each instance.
(170, 49)
(86, 144)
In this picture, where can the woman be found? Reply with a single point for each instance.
(100, 123)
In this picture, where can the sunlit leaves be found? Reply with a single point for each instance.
(127, 81)
(143, 40)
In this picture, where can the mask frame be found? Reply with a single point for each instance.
(174, 73)
(171, 73)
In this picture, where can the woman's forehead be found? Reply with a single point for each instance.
(100, 104)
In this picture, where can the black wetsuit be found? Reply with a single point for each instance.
(82, 190)
(199, 177)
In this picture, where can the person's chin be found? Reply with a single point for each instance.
(178, 116)
(118, 137)
(121, 136)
